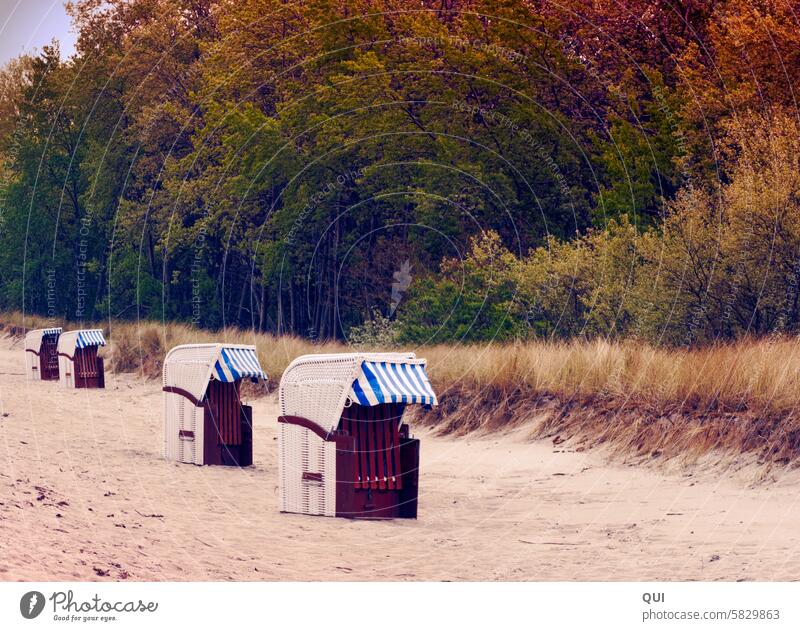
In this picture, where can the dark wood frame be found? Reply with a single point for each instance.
(355, 502)
(217, 452)
(48, 361)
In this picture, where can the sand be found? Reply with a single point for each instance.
(85, 495)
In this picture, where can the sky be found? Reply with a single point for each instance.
(27, 25)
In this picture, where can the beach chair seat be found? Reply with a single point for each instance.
(205, 421)
(79, 365)
(343, 449)
(41, 354)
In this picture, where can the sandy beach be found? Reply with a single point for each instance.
(85, 495)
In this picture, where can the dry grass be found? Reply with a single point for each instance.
(759, 375)
(738, 397)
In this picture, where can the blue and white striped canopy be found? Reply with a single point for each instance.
(235, 363)
(392, 382)
(53, 331)
(90, 337)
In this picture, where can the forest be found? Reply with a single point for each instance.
(427, 171)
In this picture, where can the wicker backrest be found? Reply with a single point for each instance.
(67, 342)
(33, 339)
(191, 366)
(71, 340)
(316, 387)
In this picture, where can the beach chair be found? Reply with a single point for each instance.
(343, 449)
(205, 421)
(79, 365)
(41, 354)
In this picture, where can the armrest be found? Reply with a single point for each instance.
(324, 434)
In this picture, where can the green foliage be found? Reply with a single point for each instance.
(470, 299)
(584, 287)
(269, 165)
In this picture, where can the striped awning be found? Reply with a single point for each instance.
(90, 337)
(392, 382)
(235, 363)
(53, 331)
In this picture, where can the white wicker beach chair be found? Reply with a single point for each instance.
(342, 448)
(204, 419)
(79, 366)
(41, 354)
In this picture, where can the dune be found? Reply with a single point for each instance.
(85, 495)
